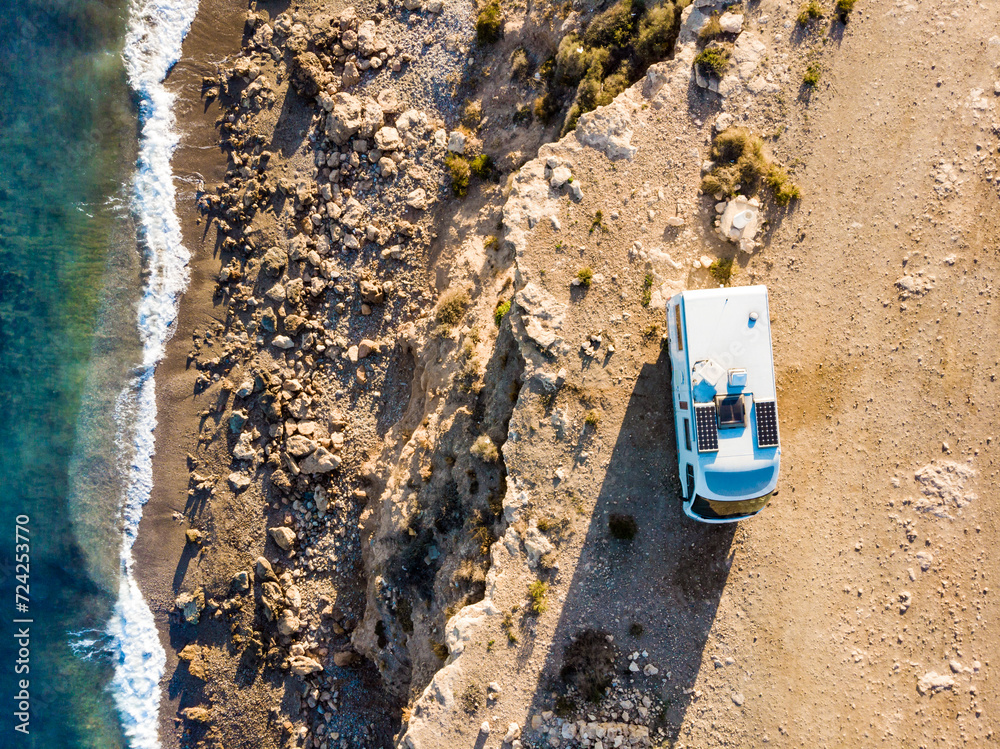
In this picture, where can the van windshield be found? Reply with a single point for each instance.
(711, 509)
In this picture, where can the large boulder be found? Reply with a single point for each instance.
(345, 118)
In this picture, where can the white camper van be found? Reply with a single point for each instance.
(724, 401)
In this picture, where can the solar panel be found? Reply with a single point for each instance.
(767, 423)
(707, 428)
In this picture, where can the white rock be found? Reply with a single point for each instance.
(731, 23)
(456, 141)
(513, 732)
(239, 481)
(934, 682)
(417, 199)
(560, 176)
(282, 342)
(302, 665)
(485, 728)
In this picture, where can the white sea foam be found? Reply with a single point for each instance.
(153, 45)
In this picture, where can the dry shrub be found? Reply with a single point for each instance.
(589, 663)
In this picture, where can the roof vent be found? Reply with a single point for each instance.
(737, 378)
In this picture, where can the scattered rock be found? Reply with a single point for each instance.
(934, 682)
(191, 605)
(283, 537)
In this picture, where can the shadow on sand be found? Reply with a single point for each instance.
(668, 579)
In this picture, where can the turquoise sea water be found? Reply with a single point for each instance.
(71, 279)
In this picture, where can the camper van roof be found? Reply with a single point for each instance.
(720, 328)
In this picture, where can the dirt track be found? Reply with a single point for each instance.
(819, 622)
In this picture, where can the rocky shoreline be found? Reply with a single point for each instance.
(435, 377)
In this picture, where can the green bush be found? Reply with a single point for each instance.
(482, 166)
(783, 188)
(722, 270)
(460, 173)
(713, 61)
(844, 8)
(810, 11)
(593, 418)
(537, 591)
(489, 23)
(452, 308)
(501, 311)
(585, 276)
(656, 36)
(546, 107)
(813, 72)
(740, 161)
(647, 289)
(614, 26)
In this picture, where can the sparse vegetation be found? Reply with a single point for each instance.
(810, 11)
(472, 114)
(565, 706)
(520, 66)
(785, 191)
(812, 74)
(711, 30)
(622, 527)
(614, 50)
(713, 60)
(597, 223)
(440, 649)
(460, 173)
(537, 591)
(585, 276)
(482, 166)
(636, 630)
(501, 311)
(489, 23)
(844, 8)
(451, 308)
(741, 164)
(484, 449)
(471, 698)
(507, 625)
(722, 270)
(491, 242)
(651, 331)
(647, 289)
(593, 418)
(589, 664)
(502, 308)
